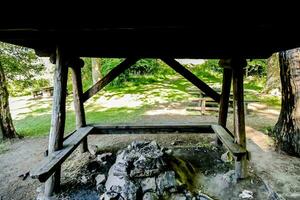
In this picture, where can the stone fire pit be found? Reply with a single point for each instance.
(143, 171)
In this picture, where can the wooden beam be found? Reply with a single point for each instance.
(78, 102)
(239, 113)
(58, 118)
(227, 139)
(109, 77)
(54, 160)
(153, 129)
(224, 101)
(192, 78)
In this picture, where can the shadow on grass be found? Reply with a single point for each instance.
(39, 125)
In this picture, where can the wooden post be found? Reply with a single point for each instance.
(239, 114)
(78, 102)
(58, 118)
(224, 101)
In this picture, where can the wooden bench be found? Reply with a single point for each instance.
(45, 91)
(204, 101)
(50, 163)
(228, 141)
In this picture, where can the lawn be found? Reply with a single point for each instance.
(126, 102)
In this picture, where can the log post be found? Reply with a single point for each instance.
(224, 101)
(58, 118)
(239, 114)
(76, 66)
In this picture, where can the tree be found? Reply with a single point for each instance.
(96, 70)
(16, 63)
(287, 128)
(273, 74)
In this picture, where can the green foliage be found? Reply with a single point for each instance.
(212, 64)
(21, 66)
(257, 67)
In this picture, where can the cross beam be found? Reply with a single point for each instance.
(192, 78)
(115, 72)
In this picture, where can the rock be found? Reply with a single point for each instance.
(168, 151)
(129, 191)
(226, 157)
(178, 196)
(166, 181)
(100, 178)
(202, 196)
(110, 196)
(229, 178)
(104, 157)
(148, 185)
(246, 194)
(83, 179)
(113, 180)
(177, 142)
(150, 196)
(120, 169)
(93, 149)
(141, 173)
(93, 166)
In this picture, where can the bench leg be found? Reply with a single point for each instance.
(241, 167)
(203, 104)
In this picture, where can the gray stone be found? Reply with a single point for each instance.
(103, 157)
(140, 173)
(178, 196)
(129, 191)
(83, 179)
(100, 178)
(120, 169)
(93, 149)
(150, 196)
(166, 181)
(110, 196)
(148, 184)
(113, 180)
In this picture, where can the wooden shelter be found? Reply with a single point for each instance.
(224, 38)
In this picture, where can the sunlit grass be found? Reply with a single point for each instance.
(127, 102)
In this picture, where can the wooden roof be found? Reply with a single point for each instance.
(177, 35)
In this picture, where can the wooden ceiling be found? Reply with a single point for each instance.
(179, 34)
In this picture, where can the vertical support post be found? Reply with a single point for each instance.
(78, 102)
(224, 101)
(239, 114)
(58, 118)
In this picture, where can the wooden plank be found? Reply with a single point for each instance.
(192, 78)
(152, 129)
(78, 102)
(108, 78)
(54, 160)
(228, 141)
(58, 117)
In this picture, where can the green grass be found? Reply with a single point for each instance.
(148, 91)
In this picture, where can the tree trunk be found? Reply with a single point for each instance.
(287, 129)
(7, 129)
(96, 67)
(273, 74)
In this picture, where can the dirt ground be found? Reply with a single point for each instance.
(279, 171)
